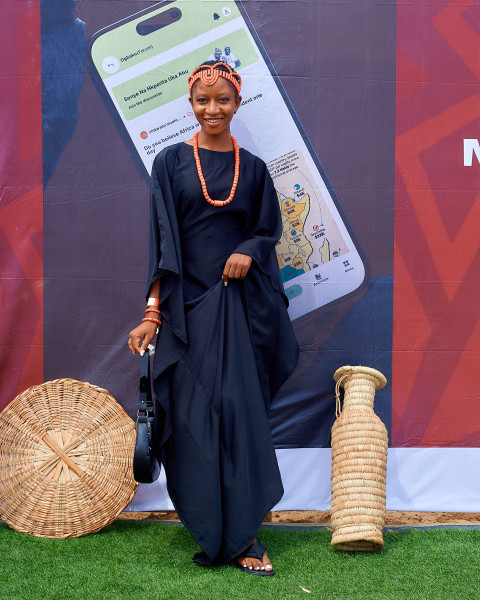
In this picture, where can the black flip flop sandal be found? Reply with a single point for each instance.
(256, 550)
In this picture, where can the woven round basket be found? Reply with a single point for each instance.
(359, 462)
(66, 450)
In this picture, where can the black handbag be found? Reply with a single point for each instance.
(146, 466)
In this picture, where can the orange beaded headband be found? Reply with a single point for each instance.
(209, 75)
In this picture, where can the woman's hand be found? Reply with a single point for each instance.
(236, 267)
(145, 331)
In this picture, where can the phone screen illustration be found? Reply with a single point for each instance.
(144, 63)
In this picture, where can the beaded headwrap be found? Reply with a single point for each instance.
(209, 75)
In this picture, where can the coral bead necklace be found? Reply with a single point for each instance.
(202, 178)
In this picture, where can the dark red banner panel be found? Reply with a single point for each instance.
(21, 200)
(436, 338)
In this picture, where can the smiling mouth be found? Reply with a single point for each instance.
(213, 121)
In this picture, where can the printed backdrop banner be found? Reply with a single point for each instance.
(437, 213)
(367, 115)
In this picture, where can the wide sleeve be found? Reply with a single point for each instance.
(165, 263)
(266, 230)
(164, 256)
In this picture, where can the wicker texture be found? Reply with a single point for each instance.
(359, 462)
(66, 450)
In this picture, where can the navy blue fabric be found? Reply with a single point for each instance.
(63, 53)
(361, 334)
(222, 352)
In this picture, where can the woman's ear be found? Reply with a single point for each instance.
(238, 101)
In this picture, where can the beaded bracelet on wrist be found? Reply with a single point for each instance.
(157, 321)
(150, 309)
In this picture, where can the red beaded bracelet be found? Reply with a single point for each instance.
(159, 323)
(151, 309)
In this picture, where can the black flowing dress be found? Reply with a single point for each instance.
(222, 352)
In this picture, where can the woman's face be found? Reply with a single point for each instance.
(214, 105)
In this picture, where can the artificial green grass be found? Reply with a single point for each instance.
(133, 560)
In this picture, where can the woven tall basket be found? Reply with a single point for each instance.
(359, 462)
(66, 450)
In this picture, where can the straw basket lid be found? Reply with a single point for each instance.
(66, 451)
(379, 379)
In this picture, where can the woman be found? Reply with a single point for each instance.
(226, 344)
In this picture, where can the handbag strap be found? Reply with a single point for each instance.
(145, 401)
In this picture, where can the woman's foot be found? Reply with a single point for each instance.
(255, 560)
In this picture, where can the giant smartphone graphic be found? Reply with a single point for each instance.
(144, 62)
